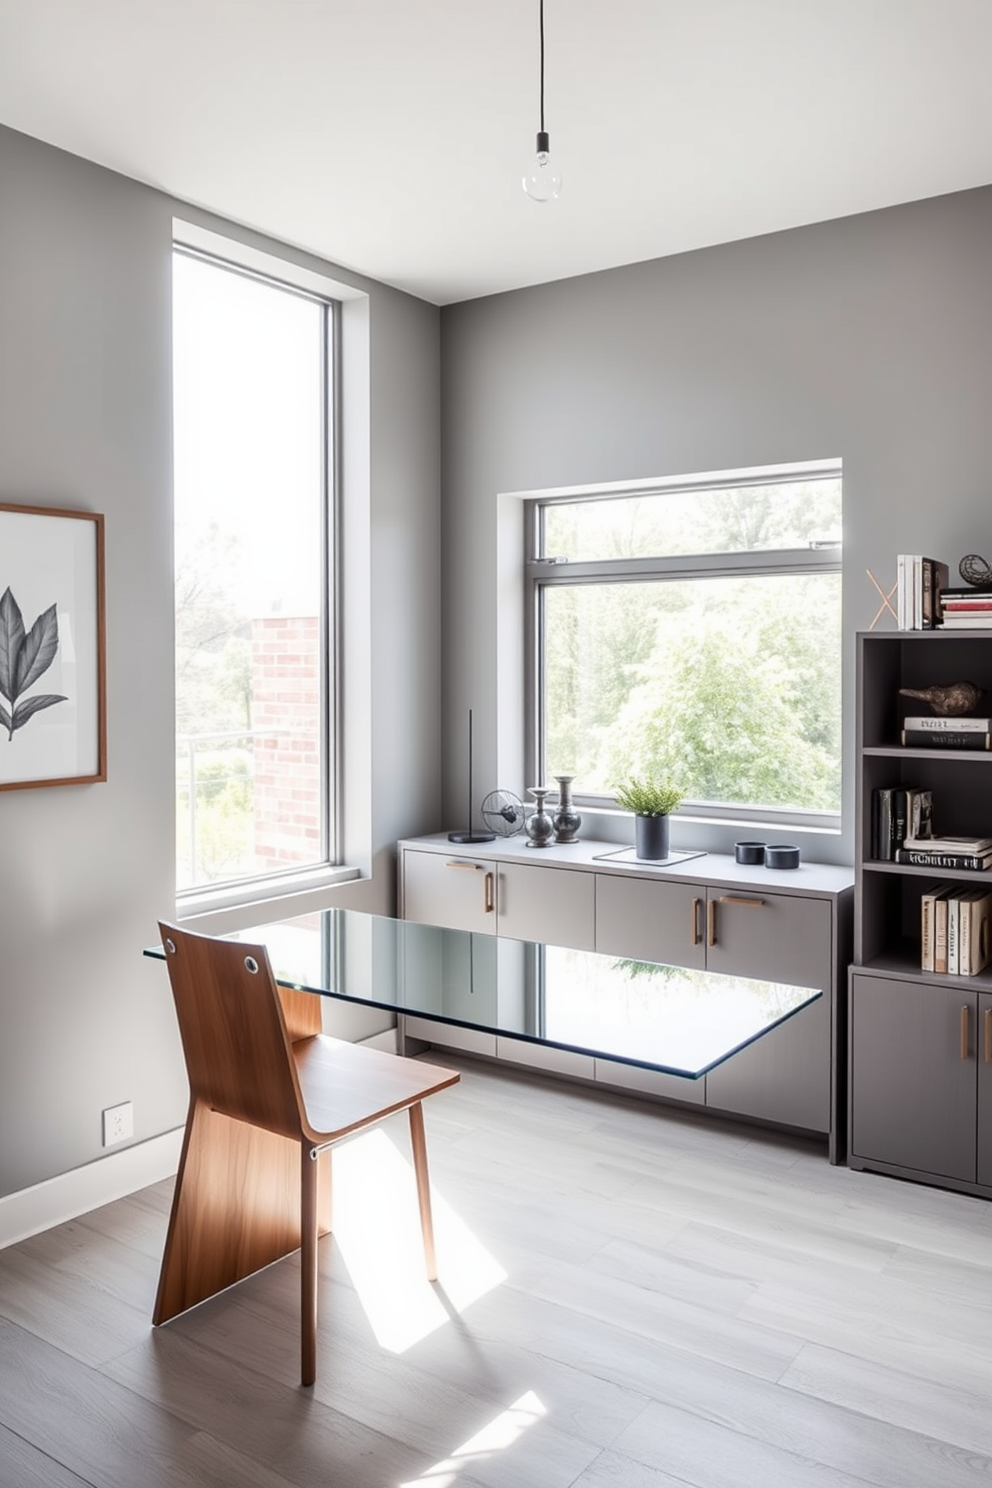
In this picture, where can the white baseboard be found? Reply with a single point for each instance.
(82, 1189)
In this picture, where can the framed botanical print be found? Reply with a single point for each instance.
(52, 648)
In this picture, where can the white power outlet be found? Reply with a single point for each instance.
(118, 1123)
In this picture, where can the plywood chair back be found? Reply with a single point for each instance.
(238, 1055)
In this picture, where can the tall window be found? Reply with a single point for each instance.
(253, 545)
(693, 632)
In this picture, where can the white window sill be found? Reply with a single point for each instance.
(281, 896)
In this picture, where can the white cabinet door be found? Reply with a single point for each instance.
(554, 905)
(650, 921)
(444, 889)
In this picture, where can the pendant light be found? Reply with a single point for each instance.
(541, 181)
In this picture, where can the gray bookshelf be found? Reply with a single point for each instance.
(920, 1044)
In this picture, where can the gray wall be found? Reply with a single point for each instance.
(868, 338)
(85, 421)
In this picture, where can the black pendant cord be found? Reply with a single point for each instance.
(542, 65)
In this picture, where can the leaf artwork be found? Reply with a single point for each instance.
(24, 657)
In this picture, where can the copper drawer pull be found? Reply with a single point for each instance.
(490, 891)
(988, 1036)
(695, 920)
(469, 867)
(745, 903)
(711, 922)
(964, 1033)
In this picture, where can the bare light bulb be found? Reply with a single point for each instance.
(542, 182)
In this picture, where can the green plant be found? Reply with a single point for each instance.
(647, 797)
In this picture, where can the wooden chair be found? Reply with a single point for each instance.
(269, 1095)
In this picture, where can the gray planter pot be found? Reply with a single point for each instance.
(651, 837)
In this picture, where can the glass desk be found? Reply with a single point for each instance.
(681, 1022)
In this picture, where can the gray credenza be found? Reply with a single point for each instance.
(791, 926)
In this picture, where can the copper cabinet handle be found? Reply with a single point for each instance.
(745, 903)
(469, 867)
(964, 1032)
(490, 891)
(711, 922)
(695, 920)
(988, 1035)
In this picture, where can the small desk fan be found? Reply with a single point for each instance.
(503, 813)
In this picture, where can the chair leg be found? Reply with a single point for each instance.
(418, 1142)
(309, 1172)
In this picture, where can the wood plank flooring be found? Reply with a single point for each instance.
(662, 1301)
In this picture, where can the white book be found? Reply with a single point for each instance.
(901, 592)
(954, 725)
(953, 925)
(962, 847)
(918, 591)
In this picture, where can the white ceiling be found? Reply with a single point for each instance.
(390, 135)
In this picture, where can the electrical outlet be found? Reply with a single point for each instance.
(118, 1123)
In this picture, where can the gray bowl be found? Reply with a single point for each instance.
(749, 852)
(781, 855)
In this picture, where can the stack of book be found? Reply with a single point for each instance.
(974, 853)
(966, 609)
(955, 930)
(898, 812)
(947, 733)
(919, 584)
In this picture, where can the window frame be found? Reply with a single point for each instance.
(327, 868)
(545, 572)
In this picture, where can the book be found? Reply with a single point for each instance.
(949, 725)
(978, 951)
(920, 582)
(934, 577)
(963, 846)
(919, 815)
(953, 925)
(919, 857)
(946, 738)
(940, 933)
(967, 606)
(882, 844)
(928, 902)
(969, 946)
(966, 621)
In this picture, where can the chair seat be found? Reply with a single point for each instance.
(348, 1086)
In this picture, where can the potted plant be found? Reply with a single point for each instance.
(651, 801)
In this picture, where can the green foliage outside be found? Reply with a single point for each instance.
(726, 687)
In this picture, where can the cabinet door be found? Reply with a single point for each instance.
(772, 937)
(784, 1077)
(445, 889)
(984, 1053)
(650, 921)
(554, 905)
(913, 1075)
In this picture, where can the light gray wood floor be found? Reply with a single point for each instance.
(684, 1302)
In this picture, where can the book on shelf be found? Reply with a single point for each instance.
(968, 621)
(898, 812)
(962, 846)
(955, 930)
(914, 738)
(929, 857)
(976, 604)
(919, 584)
(939, 725)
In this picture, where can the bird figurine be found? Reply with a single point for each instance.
(952, 701)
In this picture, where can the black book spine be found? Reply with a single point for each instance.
(946, 739)
(917, 858)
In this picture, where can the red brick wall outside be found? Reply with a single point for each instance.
(285, 711)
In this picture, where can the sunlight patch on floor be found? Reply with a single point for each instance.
(499, 1434)
(376, 1224)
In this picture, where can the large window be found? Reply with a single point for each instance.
(254, 504)
(693, 631)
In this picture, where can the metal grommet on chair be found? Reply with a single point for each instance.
(251, 964)
(170, 946)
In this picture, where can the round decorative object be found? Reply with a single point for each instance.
(540, 827)
(749, 852)
(781, 855)
(974, 569)
(566, 819)
(503, 813)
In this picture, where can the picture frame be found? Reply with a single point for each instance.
(53, 728)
